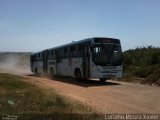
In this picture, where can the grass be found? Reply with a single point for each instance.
(11, 82)
(20, 97)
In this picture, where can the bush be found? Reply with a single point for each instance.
(154, 77)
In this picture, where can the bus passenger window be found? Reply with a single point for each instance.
(73, 49)
(65, 50)
(51, 52)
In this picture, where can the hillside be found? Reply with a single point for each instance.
(142, 64)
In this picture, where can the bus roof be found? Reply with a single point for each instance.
(81, 41)
(74, 43)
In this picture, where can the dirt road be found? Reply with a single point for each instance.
(110, 97)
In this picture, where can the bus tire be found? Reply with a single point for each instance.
(102, 80)
(51, 73)
(78, 75)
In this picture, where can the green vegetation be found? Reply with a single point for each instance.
(142, 64)
(20, 97)
(11, 82)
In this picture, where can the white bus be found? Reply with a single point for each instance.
(91, 58)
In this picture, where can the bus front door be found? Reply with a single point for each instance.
(86, 62)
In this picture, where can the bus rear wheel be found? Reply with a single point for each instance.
(103, 80)
(78, 75)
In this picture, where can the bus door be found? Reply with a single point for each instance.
(45, 61)
(31, 62)
(57, 61)
(86, 61)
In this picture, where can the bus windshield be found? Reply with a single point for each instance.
(107, 54)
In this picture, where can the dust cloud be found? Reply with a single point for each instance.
(15, 63)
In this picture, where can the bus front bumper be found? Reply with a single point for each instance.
(106, 74)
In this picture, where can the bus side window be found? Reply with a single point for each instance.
(80, 50)
(69, 51)
(56, 54)
(52, 52)
(86, 50)
(53, 55)
(73, 51)
(36, 56)
(59, 54)
(77, 51)
(65, 52)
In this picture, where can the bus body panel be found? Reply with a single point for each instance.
(66, 67)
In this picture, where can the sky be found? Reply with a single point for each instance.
(34, 25)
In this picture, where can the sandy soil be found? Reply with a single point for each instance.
(109, 97)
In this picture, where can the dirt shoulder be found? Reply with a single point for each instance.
(109, 97)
